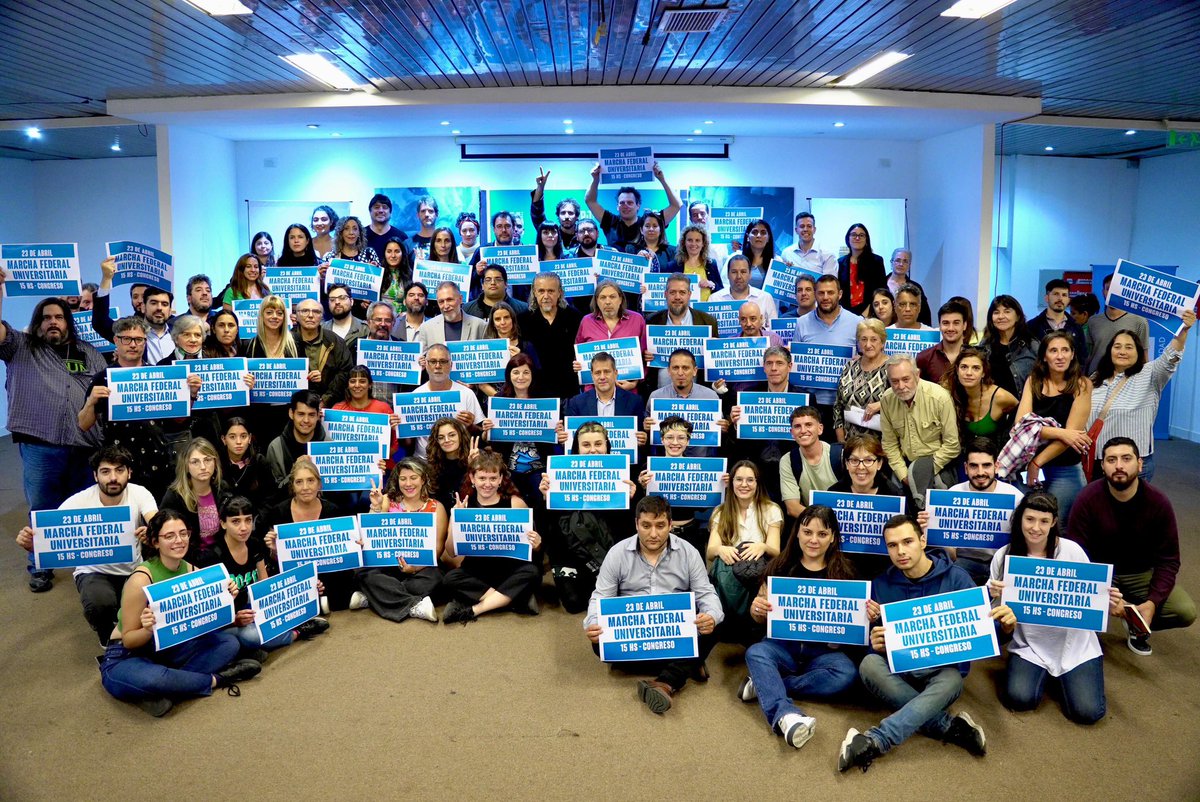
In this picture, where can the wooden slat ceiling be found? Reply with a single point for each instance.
(1135, 59)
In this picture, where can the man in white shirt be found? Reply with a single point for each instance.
(438, 366)
(100, 585)
(740, 289)
(805, 252)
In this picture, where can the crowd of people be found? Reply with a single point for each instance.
(1031, 408)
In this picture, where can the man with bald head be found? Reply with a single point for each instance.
(328, 357)
(828, 324)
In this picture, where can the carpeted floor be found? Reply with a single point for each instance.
(513, 707)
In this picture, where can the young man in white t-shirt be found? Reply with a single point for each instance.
(100, 585)
(816, 472)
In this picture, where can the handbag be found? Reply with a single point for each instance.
(1089, 456)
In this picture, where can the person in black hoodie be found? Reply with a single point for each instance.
(243, 468)
(304, 414)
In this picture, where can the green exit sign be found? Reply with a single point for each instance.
(1183, 139)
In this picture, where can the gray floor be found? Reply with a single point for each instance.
(519, 706)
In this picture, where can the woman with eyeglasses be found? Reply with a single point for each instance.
(861, 271)
(676, 436)
(865, 461)
(197, 492)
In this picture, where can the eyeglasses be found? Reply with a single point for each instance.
(493, 280)
(857, 235)
(123, 340)
(437, 361)
(342, 297)
(176, 537)
(308, 311)
(855, 462)
(196, 462)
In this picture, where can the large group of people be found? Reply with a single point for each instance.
(1010, 409)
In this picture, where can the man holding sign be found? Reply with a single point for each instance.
(919, 697)
(655, 561)
(625, 227)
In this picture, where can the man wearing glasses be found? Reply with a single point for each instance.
(342, 323)
(495, 290)
(438, 366)
(452, 325)
(328, 358)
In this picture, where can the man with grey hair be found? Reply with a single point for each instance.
(328, 358)
(452, 325)
(438, 365)
(900, 276)
(551, 325)
(381, 318)
(920, 429)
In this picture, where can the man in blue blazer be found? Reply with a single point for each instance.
(606, 399)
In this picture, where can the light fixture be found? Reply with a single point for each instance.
(1048, 148)
(708, 122)
(456, 131)
(975, 9)
(839, 125)
(221, 8)
(872, 68)
(697, 131)
(1130, 132)
(568, 122)
(116, 146)
(335, 133)
(569, 131)
(444, 122)
(312, 125)
(33, 132)
(689, 139)
(319, 67)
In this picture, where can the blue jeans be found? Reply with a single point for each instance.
(1082, 688)
(248, 638)
(176, 673)
(785, 669)
(1147, 468)
(920, 699)
(1064, 483)
(52, 474)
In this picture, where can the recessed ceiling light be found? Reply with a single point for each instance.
(444, 122)
(115, 147)
(568, 122)
(975, 9)
(839, 125)
(708, 122)
(689, 139)
(1048, 148)
(221, 8)
(33, 132)
(569, 131)
(319, 67)
(455, 131)
(1130, 132)
(872, 68)
(335, 133)
(312, 125)
(697, 131)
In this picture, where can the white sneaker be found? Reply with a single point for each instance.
(358, 601)
(746, 691)
(424, 610)
(324, 605)
(796, 729)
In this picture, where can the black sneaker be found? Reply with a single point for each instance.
(458, 613)
(229, 676)
(257, 655)
(966, 733)
(157, 707)
(1139, 645)
(312, 628)
(857, 750)
(41, 581)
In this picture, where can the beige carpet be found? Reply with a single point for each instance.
(519, 707)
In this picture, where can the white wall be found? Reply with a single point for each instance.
(1166, 231)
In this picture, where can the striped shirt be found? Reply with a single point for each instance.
(1133, 410)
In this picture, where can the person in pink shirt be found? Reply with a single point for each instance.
(609, 320)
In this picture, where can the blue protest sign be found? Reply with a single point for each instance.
(910, 341)
(190, 605)
(737, 359)
(517, 420)
(1057, 593)
(658, 626)
(294, 284)
(578, 276)
(276, 379)
(419, 411)
(702, 413)
(939, 630)
(347, 465)
(363, 280)
(974, 520)
(654, 299)
(388, 536)
(520, 262)
(391, 361)
(85, 536)
(330, 544)
(784, 328)
(85, 332)
(48, 270)
(348, 425)
(861, 518)
(767, 416)
(628, 270)
(726, 313)
(246, 310)
(222, 383)
(478, 361)
(818, 610)
(588, 481)
(284, 601)
(780, 281)
(492, 532)
(818, 367)
(627, 351)
(621, 429)
(729, 222)
(432, 274)
(688, 481)
(1152, 294)
(626, 165)
(148, 393)
(141, 264)
(662, 340)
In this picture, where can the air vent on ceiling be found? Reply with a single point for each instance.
(691, 20)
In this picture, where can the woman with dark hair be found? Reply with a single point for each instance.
(479, 585)
(549, 242)
(131, 669)
(983, 408)
(468, 233)
(1008, 344)
(611, 318)
(861, 271)
(1071, 656)
(360, 397)
(502, 324)
(263, 246)
(298, 248)
(782, 670)
(1057, 389)
(862, 383)
(442, 246)
(691, 258)
(246, 282)
(223, 340)
(1127, 397)
(526, 460)
(650, 243)
(882, 307)
(324, 221)
(448, 455)
(243, 467)
(397, 272)
(758, 246)
(866, 467)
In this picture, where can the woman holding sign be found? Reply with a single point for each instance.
(480, 585)
(743, 536)
(360, 398)
(781, 670)
(131, 670)
(862, 384)
(865, 461)
(526, 460)
(404, 591)
(1071, 656)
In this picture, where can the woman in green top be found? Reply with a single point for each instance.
(984, 409)
(246, 282)
(131, 670)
